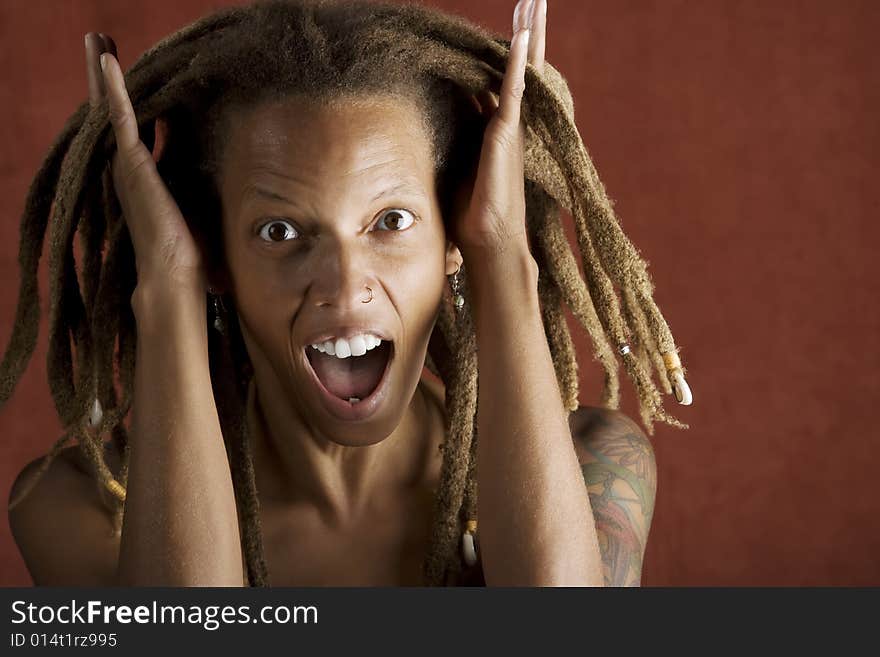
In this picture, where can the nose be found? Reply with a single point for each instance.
(342, 272)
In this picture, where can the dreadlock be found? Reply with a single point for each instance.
(326, 51)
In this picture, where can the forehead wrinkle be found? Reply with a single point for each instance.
(362, 160)
(374, 151)
(382, 177)
(260, 185)
(367, 193)
(276, 149)
(389, 169)
(308, 172)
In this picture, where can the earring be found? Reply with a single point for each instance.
(219, 310)
(455, 284)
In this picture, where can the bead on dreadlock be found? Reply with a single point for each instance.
(97, 414)
(676, 377)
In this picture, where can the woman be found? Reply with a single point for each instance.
(321, 169)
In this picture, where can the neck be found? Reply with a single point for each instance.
(295, 465)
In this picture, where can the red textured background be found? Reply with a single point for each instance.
(740, 143)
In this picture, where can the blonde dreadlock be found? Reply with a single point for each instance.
(326, 50)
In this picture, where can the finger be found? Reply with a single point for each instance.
(522, 15)
(513, 85)
(121, 112)
(538, 40)
(94, 48)
(161, 126)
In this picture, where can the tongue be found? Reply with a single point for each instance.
(355, 376)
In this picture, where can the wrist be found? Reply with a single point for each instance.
(160, 303)
(511, 271)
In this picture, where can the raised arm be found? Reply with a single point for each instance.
(181, 525)
(536, 524)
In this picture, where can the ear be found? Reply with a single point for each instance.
(454, 258)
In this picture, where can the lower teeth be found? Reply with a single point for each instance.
(353, 400)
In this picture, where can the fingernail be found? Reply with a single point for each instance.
(522, 15)
(103, 62)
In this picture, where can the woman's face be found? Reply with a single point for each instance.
(320, 204)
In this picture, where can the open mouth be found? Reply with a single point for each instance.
(354, 379)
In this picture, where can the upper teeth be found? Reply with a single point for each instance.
(356, 345)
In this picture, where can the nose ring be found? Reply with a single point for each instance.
(371, 295)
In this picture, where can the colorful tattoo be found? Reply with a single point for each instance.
(619, 470)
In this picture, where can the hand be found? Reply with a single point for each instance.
(165, 249)
(495, 218)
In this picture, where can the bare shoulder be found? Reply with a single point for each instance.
(610, 444)
(63, 527)
(620, 472)
(603, 431)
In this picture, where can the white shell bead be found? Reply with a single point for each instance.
(681, 389)
(97, 413)
(468, 549)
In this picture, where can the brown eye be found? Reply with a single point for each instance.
(277, 231)
(397, 220)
